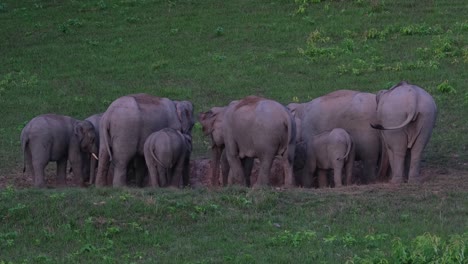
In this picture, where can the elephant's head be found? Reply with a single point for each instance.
(84, 131)
(185, 114)
(211, 122)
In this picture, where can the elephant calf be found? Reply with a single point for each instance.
(329, 150)
(167, 154)
(57, 138)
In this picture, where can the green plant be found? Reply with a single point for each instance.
(446, 88)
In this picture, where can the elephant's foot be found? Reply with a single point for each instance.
(397, 180)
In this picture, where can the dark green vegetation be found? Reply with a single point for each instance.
(408, 224)
(75, 57)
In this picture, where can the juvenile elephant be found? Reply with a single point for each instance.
(329, 150)
(212, 122)
(256, 127)
(58, 138)
(90, 143)
(350, 110)
(167, 155)
(406, 115)
(126, 124)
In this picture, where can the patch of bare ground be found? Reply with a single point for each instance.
(434, 179)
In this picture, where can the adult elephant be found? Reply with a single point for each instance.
(350, 110)
(126, 124)
(58, 138)
(260, 128)
(406, 115)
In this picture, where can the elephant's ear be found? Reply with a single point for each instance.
(207, 120)
(78, 130)
(185, 115)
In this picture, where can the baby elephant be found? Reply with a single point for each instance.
(57, 138)
(330, 150)
(167, 154)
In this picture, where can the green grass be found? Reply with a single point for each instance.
(233, 225)
(76, 57)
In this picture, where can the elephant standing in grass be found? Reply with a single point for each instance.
(167, 155)
(90, 143)
(212, 122)
(126, 124)
(350, 110)
(256, 127)
(329, 150)
(406, 115)
(58, 138)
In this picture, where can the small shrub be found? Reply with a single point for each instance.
(219, 31)
(446, 88)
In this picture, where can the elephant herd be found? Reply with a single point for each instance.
(387, 131)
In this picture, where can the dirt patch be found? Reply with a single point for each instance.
(200, 176)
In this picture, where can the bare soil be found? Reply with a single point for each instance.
(200, 176)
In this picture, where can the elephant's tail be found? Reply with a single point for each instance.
(349, 146)
(158, 160)
(106, 138)
(412, 115)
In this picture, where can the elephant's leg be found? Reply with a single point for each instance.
(162, 176)
(414, 175)
(105, 171)
(152, 171)
(247, 165)
(28, 163)
(396, 143)
(224, 167)
(349, 170)
(120, 171)
(397, 164)
(38, 165)
(287, 163)
(338, 173)
(62, 172)
(308, 173)
(39, 160)
(92, 167)
(216, 152)
(175, 178)
(264, 172)
(186, 171)
(322, 178)
(236, 174)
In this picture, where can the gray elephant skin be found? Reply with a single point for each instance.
(93, 146)
(126, 124)
(58, 138)
(329, 150)
(167, 155)
(406, 115)
(212, 122)
(256, 127)
(350, 110)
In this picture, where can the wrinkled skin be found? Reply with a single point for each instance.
(126, 124)
(350, 110)
(256, 127)
(212, 122)
(330, 150)
(167, 155)
(56, 138)
(89, 142)
(406, 115)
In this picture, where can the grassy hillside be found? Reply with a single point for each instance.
(76, 57)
